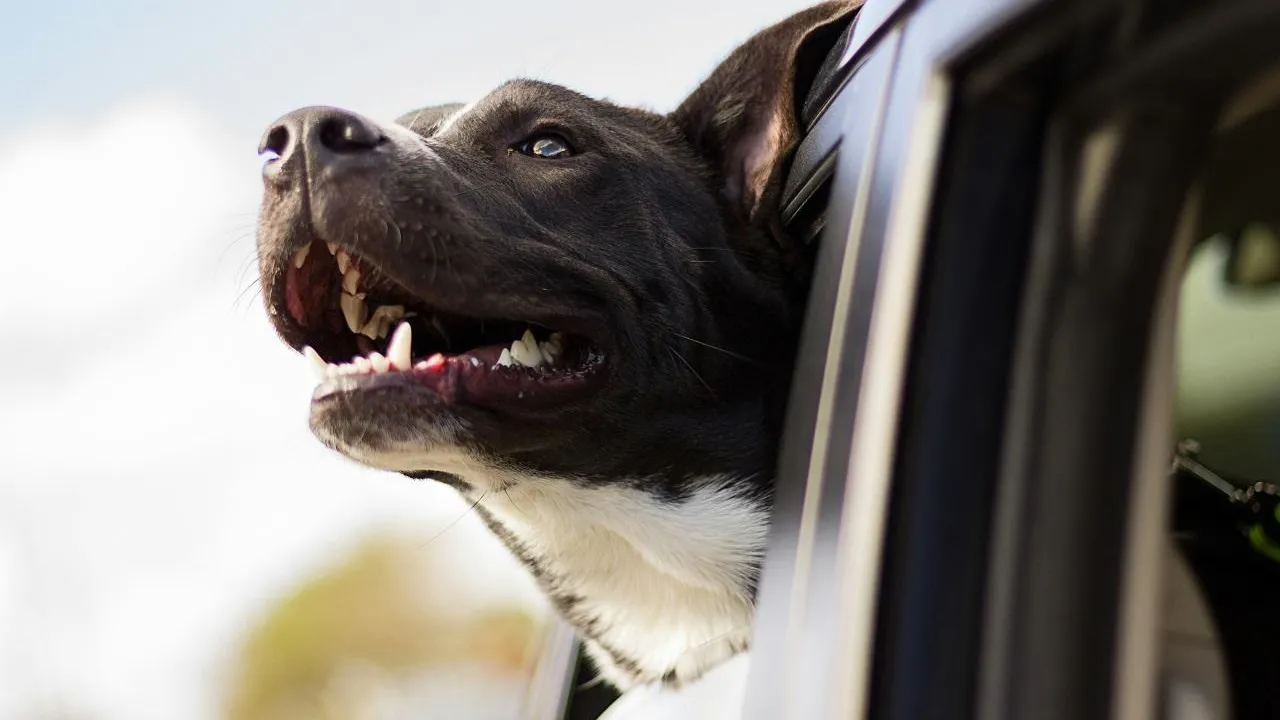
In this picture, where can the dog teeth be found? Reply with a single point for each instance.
(553, 348)
(528, 352)
(525, 351)
(318, 365)
(399, 355)
(400, 350)
(550, 351)
(379, 324)
(353, 309)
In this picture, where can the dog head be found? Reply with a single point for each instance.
(588, 289)
(588, 307)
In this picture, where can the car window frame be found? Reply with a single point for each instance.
(822, 646)
(1121, 671)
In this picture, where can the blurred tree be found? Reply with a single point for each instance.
(346, 642)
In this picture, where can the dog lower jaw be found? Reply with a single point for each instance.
(660, 588)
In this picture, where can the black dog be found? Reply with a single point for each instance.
(582, 316)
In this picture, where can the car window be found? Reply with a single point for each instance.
(1217, 652)
(1229, 354)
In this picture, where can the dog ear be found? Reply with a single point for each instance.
(425, 121)
(743, 118)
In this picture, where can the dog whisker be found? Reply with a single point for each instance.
(457, 520)
(717, 348)
(507, 491)
(250, 291)
(685, 362)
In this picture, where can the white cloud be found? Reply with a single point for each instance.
(158, 489)
(102, 213)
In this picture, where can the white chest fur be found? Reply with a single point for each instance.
(660, 587)
(663, 584)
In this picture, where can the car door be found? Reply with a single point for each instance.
(972, 505)
(988, 536)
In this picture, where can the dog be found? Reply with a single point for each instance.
(581, 316)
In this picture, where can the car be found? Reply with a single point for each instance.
(1037, 399)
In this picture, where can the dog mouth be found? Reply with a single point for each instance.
(364, 331)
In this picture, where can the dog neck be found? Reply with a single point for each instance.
(660, 588)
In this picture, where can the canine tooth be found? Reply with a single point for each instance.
(333, 248)
(344, 262)
(351, 281)
(353, 310)
(400, 350)
(504, 360)
(380, 364)
(318, 364)
(300, 257)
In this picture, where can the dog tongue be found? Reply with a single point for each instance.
(471, 378)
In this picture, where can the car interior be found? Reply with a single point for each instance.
(1219, 648)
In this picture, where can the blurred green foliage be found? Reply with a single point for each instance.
(382, 613)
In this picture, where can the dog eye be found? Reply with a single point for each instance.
(546, 146)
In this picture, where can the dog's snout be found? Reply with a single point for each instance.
(347, 133)
(317, 137)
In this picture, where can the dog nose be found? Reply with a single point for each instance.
(325, 137)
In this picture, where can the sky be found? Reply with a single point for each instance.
(158, 486)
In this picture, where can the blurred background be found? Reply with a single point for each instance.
(173, 543)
